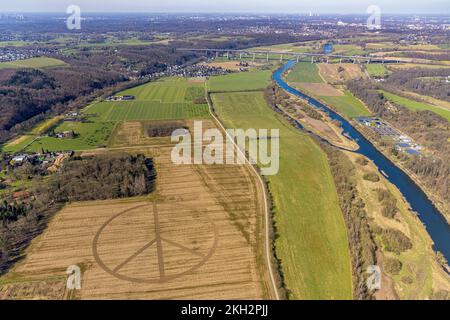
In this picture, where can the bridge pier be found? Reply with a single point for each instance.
(312, 59)
(281, 58)
(254, 56)
(298, 58)
(267, 57)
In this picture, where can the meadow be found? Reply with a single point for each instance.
(347, 105)
(33, 63)
(245, 81)
(90, 135)
(311, 239)
(305, 72)
(168, 99)
(416, 105)
(376, 70)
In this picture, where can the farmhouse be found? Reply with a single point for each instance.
(65, 135)
(121, 98)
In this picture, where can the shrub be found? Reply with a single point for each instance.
(392, 266)
(371, 176)
(395, 241)
(362, 161)
(390, 208)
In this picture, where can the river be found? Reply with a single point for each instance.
(436, 225)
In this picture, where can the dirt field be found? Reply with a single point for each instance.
(320, 89)
(331, 73)
(196, 237)
(132, 133)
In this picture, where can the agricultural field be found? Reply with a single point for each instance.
(18, 43)
(33, 63)
(243, 81)
(307, 213)
(347, 105)
(376, 70)
(18, 143)
(161, 100)
(89, 135)
(169, 99)
(338, 73)
(148, 110)
(416, 105)
(198, 236)
(304, 72)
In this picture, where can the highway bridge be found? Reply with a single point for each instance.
(284, 55)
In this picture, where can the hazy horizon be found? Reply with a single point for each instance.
(230, 6)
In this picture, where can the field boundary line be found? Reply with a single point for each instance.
(266, 208)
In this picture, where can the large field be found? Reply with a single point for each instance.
(35, 63)
(339, 73)
(416, 105)
(305, 72)
(347, 105)
(198, 236)
(376, 70)
(90, 135)
(312, 237)
(240, 81)
(148, 110)
(168, 99)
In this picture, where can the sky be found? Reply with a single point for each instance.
(247, 6)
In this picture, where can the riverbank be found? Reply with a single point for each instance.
(436, 202)
(436, 224)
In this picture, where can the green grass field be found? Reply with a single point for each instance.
(244, 81)
(416, 105)
(376, 70)
(33, 63)
(312, 237)
(17, 144)
(91, 135)
(305, 72)
(348, 105)
(14, 43)
(148, 110)
(169, 99)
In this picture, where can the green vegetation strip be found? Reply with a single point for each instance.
(305, 72)
(33, 63)
(245, 81)
(311, 234)
(376, 70)
(347, 105)
(416, 105)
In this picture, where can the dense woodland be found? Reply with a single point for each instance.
(99, 177)
(418, 80)
(425, 127)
